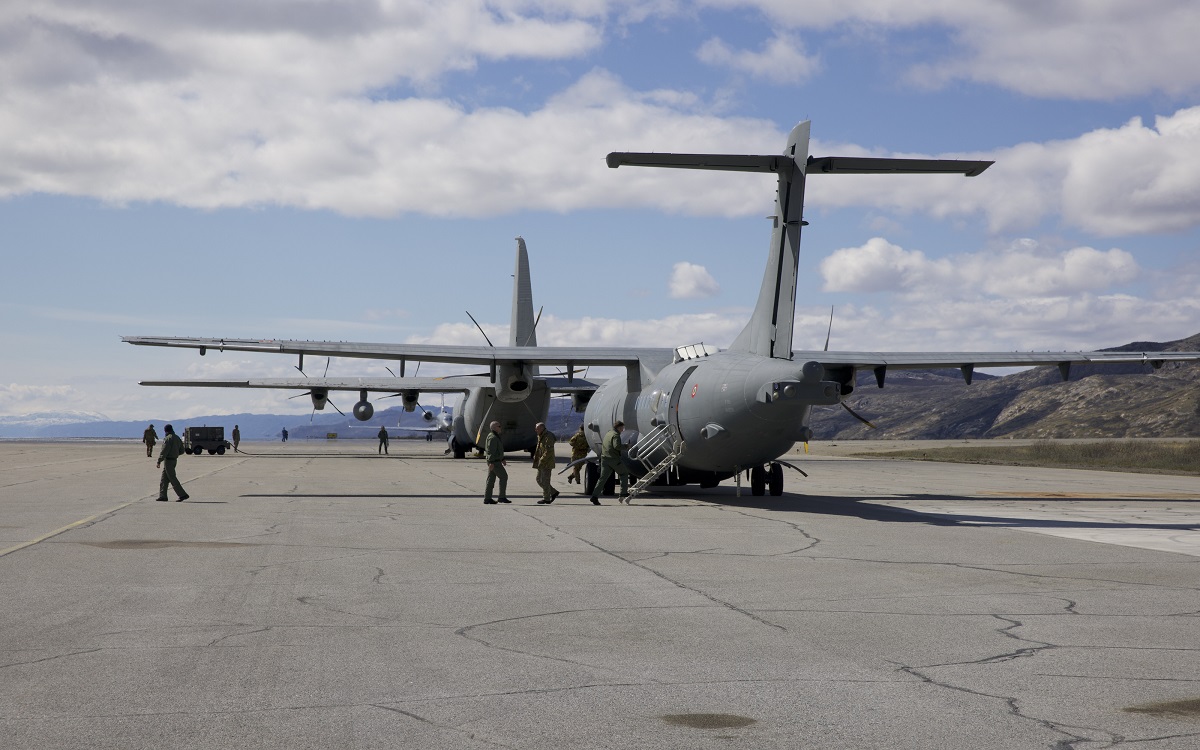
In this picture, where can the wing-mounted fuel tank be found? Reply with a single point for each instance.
(513, 382)
(363, 409)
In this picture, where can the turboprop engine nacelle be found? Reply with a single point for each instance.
(410, 399)
(320, 397)
(513, 383)
(363, 409)
(580, 400)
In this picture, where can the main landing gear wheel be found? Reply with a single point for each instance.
(591, 475)
(775, 480)
(456, 449)
(758, 481)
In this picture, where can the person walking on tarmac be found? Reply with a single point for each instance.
(611, 463)
(493, 451)
(543, 461)
(579, 449)
(150, 437)
(237, 438)
(383, 440)
(171, 448)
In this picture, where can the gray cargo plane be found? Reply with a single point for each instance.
(517, 399)
(696, 414)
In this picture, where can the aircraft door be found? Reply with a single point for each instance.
(671, 413)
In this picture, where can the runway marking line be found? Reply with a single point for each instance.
(68, 527)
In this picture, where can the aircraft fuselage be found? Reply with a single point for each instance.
(480, 407)
(734, 410)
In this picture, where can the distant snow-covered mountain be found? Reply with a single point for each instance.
(50, 418)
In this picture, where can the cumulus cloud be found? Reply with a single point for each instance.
(690, 281)
(1023, 270)
(1081, 50)
(781, 60)
(1131, 179)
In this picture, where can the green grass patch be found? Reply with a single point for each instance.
(1143, 456)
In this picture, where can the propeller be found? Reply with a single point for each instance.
(300, 367)
(476, 322)
(858, 416)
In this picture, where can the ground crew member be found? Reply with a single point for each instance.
(171, 448)
(579, 449)
(493, 451)
(383, 440)
(543, 461)
(237, 438)
(284, 433)
(611, 463)
(150, 437)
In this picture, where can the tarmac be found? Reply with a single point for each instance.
(317, 595)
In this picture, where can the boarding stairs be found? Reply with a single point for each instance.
(665, 436)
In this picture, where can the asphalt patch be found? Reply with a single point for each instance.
(161, 544)
(1189, 708)
(708, 721)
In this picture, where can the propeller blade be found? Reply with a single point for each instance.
(858, 416)
(476, 322)
(830, 331)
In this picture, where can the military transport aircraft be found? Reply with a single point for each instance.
(696, 414)
(518, 400)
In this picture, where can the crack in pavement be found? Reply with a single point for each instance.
(679, 584)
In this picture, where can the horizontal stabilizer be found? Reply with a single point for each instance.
(724, 162)
(873, 165)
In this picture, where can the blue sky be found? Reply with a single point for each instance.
(357, 170)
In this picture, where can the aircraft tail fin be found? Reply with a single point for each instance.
(769, 332)
(523, 328)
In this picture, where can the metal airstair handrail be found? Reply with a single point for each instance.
(663, 435)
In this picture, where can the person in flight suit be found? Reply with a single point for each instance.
(543, 461)
(493, 451)
(579, 449)
(150, 437)
(383, 440)
(237, 438)
(172, 447)
(611, 463)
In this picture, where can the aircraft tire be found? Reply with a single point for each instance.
(221, 450)
(457, 450)
(775, 480)
(591, 475)
(758, 481)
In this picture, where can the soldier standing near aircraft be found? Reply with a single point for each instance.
(383, 440)
(543, 461)
(237, 438)
(579, 449)
(150, 437)
(171, 449)
(611, 463)
(493, 451)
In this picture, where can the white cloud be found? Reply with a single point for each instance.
(690, 281)
(1132, 179)
(782, 59)
(1076, 50)
(1024, 270)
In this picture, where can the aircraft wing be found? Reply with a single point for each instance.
(445, 384)
(880, 362)
(451, 384)
(572, 356)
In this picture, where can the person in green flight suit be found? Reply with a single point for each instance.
(172, 447)
(611, 463)
(383, 440)
(150, 437)
(237, 438)
(493, 451)
(543, 461)
(579, 449)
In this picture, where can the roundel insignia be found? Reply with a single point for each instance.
(695, 388)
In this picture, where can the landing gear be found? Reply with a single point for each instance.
(758, 481)
(775, 480)
(456, 449)
(591, 475)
